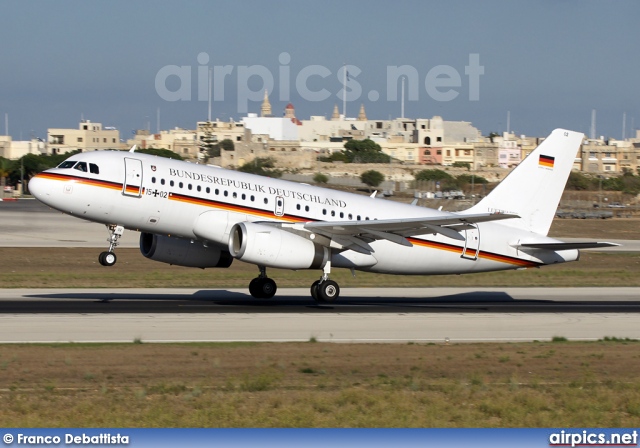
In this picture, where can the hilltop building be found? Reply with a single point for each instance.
(88, 137)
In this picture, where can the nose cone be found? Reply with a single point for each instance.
(38, 188)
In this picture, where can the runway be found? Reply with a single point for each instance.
(363, 315)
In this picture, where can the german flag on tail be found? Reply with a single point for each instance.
(546, 161)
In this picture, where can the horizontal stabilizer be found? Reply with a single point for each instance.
(566, 246)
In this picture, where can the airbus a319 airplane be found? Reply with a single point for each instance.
(204, 216)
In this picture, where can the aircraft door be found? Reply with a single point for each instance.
(471, 243)
(133, 177)
(279, 210)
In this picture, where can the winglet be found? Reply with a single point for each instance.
(133, 148)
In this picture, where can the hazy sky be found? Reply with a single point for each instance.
(548, 62)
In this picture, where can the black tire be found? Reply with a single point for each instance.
(262, 288)
(314, 290)
(254, 288)
(328, 291)
(268, 288)
(109, 258)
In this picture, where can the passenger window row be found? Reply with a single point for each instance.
(252, 198)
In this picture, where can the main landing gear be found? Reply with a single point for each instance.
(262, 287)
(109, 258)
(325, 290)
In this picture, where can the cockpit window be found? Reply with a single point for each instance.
(93, 168)
(81, 166)
(67, 164)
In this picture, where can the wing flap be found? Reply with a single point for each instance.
(566, 246)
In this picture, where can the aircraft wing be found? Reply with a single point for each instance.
(356, 235)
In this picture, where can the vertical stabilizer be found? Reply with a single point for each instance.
(534, 188)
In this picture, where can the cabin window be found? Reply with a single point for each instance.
(297, 206)
(358, 217)
(342, 214)
(153, 180)
(172, 183)
(253, 198)
(161, 181)
(306, 208)
(199, 188)
(266, 201)
(208, 190)
(226, 193)
(324, 211)
(235, 195)
(180, 185)
(93, 168)
(217, 192)
(333, 213)
(244, 196)
(350, 217)
(189, 186)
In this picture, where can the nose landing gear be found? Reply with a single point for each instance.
(109, 258)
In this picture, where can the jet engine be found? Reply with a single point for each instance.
(181, 252)
(270, 246)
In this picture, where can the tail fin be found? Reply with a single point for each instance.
(533, 189)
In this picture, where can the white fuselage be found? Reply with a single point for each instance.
(166, 197)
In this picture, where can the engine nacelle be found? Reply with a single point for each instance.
(273, 247)
(181, 252)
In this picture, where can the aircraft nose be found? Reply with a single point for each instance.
(38, 188)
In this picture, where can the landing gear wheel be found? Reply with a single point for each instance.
(107, 258)
(262, 288)
(328, 290)
(314, 290)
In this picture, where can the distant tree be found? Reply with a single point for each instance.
(466, 165)
(208, 146)
(6, 168)
(320, 178)
(364, 151)
(160, 153)
(426, 175)
(227, 145)
(464, 180)
(578, 182)
(372, 178)
(262, 167)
